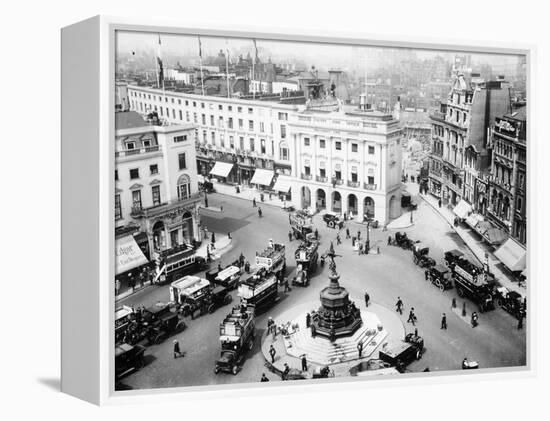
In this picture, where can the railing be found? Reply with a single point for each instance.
(353, 183)
(139, 151)
(321, 179)
(337, 181)
(368, 186)
(306, 176)
(136, 210)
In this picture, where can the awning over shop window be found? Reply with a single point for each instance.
(462, 209)
(262, 177)
(221, 169)
(512, 254)
(474, 219)
(490, 233)
(282, 184)
(128, 255)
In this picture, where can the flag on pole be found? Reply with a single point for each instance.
(200, 47)
(256, 49)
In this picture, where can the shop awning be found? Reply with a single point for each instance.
(282, 184)
(128, 255)
(512, 254)
(474, 219)
(262, 177)
(495, 236)
(462, 209)
(221, 169)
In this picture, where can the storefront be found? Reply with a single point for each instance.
(222, 170)
(282, 186)
(131, 265)
(262, 178)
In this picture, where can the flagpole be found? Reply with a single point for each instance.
(253, 63)
(200, 63)
(227, 68)
(161, 73)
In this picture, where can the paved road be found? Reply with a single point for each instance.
(494, 343)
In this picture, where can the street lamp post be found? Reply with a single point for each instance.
(367, 248)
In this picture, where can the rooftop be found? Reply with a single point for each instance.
(128, 120)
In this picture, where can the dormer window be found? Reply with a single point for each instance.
(130, 145)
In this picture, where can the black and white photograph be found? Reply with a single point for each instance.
(289, 210)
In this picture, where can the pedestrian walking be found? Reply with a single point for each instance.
(338, 240)
(270, 324)
(253, 202)
(360, 248)
(290, 235)
(272, 353)
(474, 319)
(389, 240)
(286, 285)
(439, 203)
(347, 233)
(316, 234)
(412, 317)
(264, 378)
(304, 362)
(367, 246)
(520, 320)
(308, 320)
(426, 274)
(285, 372)
(359, 235)
(260, 212)
(444, 321)
(360, 349)
(367, 299)
(399, 306)
(177, 350)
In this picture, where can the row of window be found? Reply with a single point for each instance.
(183, 190)
(338, 145)
(281, 115)
(154, 169)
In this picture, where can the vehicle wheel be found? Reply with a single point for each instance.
(330, 224)
(216, 370)
(211, 308)
(499, 302)
(460, 292)
(235, 370)
(438, 283)
(251, 344)
(418, 354)
(228, 299)
(442, 287)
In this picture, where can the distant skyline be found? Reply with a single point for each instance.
(320, 55)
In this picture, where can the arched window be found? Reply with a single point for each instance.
(184, 187)
(283, 151)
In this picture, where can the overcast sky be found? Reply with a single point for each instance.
(323, 56)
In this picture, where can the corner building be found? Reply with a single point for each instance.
(347, 162)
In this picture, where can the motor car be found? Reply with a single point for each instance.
(333, 220)
(128, 358)
(440, 276)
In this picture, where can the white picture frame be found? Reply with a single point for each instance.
(88, 54)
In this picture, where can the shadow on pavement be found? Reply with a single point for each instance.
(53, 383)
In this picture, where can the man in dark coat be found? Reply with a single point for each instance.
(253, 202)
(444, 321)
(367, 299)
(360, 349)
(304, 362)
(412, 317)
(308, 320)
(399, 305)
(389, 240)
(272, 353)
(347, 233)
(177, 351)
(286, 371)
(264, 378)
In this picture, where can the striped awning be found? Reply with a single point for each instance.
(262, 177)
(282, 184)
(474, 219)
(128, 255)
